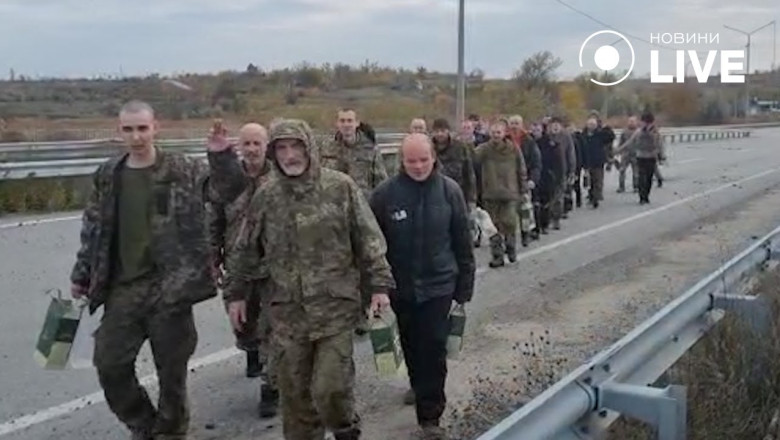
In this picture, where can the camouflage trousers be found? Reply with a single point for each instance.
(255, 335)
(132, 315)
(504, 216)
(316, 383)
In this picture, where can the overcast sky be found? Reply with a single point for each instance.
(94, 37)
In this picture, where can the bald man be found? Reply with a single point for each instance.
(226, 211)
(425, 220)
(419, 126)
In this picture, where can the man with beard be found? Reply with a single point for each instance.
(501, 180)
(424, 217)
(533, 162)
(226, 211)
(312, 231)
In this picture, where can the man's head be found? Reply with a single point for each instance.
(648, 119)
(137, 126)
(467, 127)
(515, 123)
(418, 125)
(556, 125)
(537, 129)
(498, 130)
(592, 123)
(441, 130)
(290, 147)
(347, 123)
(252, 143)
(417, 156)
(632, 122)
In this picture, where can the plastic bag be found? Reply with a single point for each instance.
(84, 342)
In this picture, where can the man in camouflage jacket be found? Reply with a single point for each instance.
(226, 210)
(314, 233)
(455, 159)
(144, 256)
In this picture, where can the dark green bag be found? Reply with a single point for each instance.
(59, 330)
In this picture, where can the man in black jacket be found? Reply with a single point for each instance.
(424, 218)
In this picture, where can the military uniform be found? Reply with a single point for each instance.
(456, 163)
(362, 161)
(226, 214)
(628, 160)
(501, 180)
(319, 242)
(144, 255)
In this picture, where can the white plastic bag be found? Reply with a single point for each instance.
(84, 341)
(485, 222)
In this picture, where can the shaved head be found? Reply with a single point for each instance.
(253, 143)
(418, 125)
(418, 156)
(253, 129)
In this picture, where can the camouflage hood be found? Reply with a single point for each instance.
(300, 130)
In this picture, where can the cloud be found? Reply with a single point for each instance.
(91, 37)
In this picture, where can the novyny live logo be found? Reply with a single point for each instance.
(607, 58)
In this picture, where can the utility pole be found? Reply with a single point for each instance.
(460, 104)
(747, 59)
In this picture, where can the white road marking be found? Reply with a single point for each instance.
(682, 162)
(47, 414)
(74, 405)
(42, 221)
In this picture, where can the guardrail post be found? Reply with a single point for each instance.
(663, 408)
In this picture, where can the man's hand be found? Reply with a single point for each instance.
(237, 313)
(77, 291)
(379, 303)
(217, 140)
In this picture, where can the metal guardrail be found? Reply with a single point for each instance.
(617, 381)
(23, 160)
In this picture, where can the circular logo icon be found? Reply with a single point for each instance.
(607, 57)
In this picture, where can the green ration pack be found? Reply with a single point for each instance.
(59, 329)
(457, 329)
(386, 343)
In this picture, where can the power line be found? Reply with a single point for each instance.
(583, 13)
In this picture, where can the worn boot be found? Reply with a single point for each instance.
(269, 401)
(348, 434)
(524, 239)
(253, 366)
(556, 224)
(497, 251)
(141, 434)
(511, 250)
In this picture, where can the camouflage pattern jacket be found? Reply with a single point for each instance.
(362, 161)
(455, 162)
(179, 242)
(226, 210)
(629, 151)
(320, 242)
(500, 170)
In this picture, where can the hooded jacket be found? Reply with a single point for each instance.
(362, 161)
(319, 241)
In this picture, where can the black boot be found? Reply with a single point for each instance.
(253, 366)
(497, 251)
(350, 434)
(269, 402)
(524, 239)
(511, 251)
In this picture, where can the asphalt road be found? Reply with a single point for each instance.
(702, 179)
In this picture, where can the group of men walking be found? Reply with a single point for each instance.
(308, 241)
